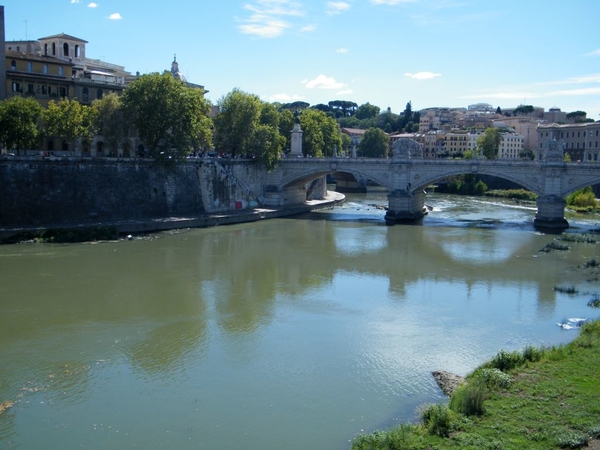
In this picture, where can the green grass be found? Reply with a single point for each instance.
(543, 399)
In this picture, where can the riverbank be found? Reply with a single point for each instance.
(535, 399)
(8, 235)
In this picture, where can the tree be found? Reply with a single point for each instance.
(295, 106)
(343, 108)
(498, 110)
(286, 124)
(167, 114)
(19, 118)
(577, 116)
(374, 144)
(489, 143)
(239, 114)
(267, 143)
(321, 133)
(69, 120)
(523, 109)
(405, 118)
(110, 120)
(367, 111)
(387, 121)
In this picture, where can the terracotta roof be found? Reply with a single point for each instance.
(62, 36)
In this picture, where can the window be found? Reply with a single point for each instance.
(85, 94)
(65, 49)
(54, 49)
(45, 90)
(45, 49)
(13, 65)
(99, 94)
(45, 69)
(76, 51)
(60, 70)
(29, 67)
(16, 87)
(30, 88)
(63, 91)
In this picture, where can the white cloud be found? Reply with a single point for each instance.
(267, 17)
(342, 50)
(92, 5)
(337, 7)
(75, 1)
(115, 16)
(323, 82)
(594, 53)
(422, 75)
(391, 2)
(308, 28)
(265, 28)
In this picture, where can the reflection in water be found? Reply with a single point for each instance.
(243, 336)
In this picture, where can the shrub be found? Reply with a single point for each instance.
(583, 198)
(571, 439)
(468, 399)
(566, 289)
(493, 378)
(554, 246)
(505, 361)
(533, 354)
(437, 419)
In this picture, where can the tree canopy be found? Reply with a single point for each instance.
(19, 118)
(374, 144)
(168, 115)
(110, 120)
(321, 133)
(489, 143)
(69, 120)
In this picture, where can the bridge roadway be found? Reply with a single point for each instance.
(552, 179)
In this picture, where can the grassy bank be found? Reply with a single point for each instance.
(534, 399)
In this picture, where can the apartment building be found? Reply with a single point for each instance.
(511, 146)
(581, 139)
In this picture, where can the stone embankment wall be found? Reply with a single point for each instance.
(36, 192)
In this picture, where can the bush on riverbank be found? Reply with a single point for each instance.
(515, 194)
(467, 184)
(542, 399)
(583, 200)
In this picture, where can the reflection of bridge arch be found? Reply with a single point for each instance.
(406, 179)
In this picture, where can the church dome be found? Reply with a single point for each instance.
(175, 71)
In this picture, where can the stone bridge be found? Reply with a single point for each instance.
(407, 177)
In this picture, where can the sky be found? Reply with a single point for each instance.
(432, 53)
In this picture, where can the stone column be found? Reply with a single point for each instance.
(405, 206)
(551, 213)
(296, 150)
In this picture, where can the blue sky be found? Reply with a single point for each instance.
(386, 52)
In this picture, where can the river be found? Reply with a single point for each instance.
(295, 333)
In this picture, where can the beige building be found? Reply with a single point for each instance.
(581, 139)
(511, 146)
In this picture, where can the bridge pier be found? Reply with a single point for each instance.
(286, 196)
(551, 213)
(405, 206)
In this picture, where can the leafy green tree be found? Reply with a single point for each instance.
(267, 142)
(286, 124)
(582, 199)
(239, 114)
(489, 143)
(167, 114)
(388, 121)
(577, 116)
(110, 120)
(405, 118)
(321, 133)
(374, 144)
(69, 120)
(295, 106)
(343, 108)
(523, 109)
(19, 123)
(367, 111)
